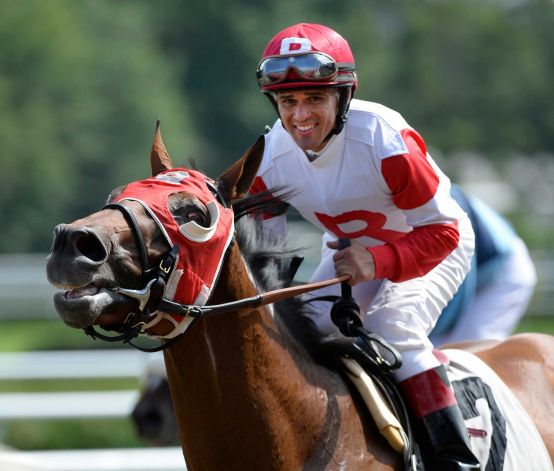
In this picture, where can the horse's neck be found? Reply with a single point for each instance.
(237, 372)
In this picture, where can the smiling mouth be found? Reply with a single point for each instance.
(305, 129)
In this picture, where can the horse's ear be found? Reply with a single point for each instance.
(159, 158)
(235, 182)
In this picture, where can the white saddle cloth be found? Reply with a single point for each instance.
(511, 441)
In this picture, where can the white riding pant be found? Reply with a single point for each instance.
(402, 313)
(497, 307)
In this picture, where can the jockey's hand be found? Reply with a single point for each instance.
(354, 260)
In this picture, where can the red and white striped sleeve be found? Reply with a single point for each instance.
(431, 213)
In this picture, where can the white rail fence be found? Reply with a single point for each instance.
(147, 459)
(69, 365)
(78, 405)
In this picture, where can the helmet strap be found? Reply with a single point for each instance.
(345, 96)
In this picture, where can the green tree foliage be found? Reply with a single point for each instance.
(475, 74)
(81, 87)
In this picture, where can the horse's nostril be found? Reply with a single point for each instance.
(59, 237)
(90, 246)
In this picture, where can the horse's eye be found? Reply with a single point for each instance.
(198, 215)
(189, 209)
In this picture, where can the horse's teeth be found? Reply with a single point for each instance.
(89, 290)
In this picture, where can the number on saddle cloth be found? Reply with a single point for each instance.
(473, 396)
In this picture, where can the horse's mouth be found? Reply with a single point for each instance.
(81, 306)
(77, 293)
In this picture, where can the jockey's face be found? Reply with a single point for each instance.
(308, 115)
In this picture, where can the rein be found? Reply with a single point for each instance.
(252, 302)
(151, 299)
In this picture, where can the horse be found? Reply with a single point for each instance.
(247, 389)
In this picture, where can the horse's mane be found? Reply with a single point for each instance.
(269, 258)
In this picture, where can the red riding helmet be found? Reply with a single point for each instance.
(306, 55)
(309, 55)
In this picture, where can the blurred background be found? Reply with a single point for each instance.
(82, 83)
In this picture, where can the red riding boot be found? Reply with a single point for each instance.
(433, 403)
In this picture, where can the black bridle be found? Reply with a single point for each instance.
(154, 280)
(151, 300)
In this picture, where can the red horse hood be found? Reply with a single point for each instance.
(201, 249)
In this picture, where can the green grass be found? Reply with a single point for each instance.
(44, 334)
(544, 324)
(50, 334)
(50, 385)
(71, 434)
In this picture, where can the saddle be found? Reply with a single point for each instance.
(368, 362)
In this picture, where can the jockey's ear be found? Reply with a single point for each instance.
(235, 182)
(159, 158)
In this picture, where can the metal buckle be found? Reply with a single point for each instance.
(167, 269)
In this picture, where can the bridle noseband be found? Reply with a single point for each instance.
(154, 279)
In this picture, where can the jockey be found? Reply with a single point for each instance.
(496, 292)
(358, 170)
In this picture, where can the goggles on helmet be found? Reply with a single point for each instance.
(310, 67)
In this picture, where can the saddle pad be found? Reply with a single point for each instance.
(511, 441)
